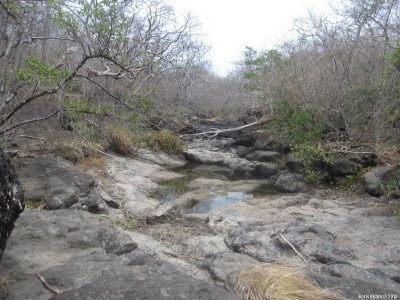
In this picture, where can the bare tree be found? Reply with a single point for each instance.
(100, 42)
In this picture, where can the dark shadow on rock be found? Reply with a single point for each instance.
(11, 199)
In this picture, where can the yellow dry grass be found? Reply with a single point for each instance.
(274, 282)
(5, 284)
(120, 140)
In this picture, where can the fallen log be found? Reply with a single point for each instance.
(214, 133)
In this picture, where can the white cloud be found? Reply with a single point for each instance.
(229, 26)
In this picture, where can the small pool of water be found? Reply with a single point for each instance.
(218, 202)
(171, 189)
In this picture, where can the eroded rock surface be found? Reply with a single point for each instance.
(87, 257)
(52, 182)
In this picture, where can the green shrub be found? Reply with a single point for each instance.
(166, 141)
(295, 125)
(120, 140)
(311, 177)
(350, 180)
(392, 184)
(311, 154)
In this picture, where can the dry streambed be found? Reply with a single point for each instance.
(186, 233)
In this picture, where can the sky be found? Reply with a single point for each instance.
(228, 26)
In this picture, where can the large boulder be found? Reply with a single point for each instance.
(376, 178)
(344, 166)
(290, 183)
(46, 180)
(11, 200)
(86, 257)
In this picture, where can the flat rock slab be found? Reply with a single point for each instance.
(86, 257)
(46, 179)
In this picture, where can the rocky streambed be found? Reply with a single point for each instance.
(153, 228)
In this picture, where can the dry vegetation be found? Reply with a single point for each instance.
(274, 282)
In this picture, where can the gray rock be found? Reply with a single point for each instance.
(11, 200)
(150, 281)
(224, 265)
(344, 166)
(264, 156)
(294, 164)
(376, 177)
(45, 180)
(265, 170)
(316, 241)
(352, 282)
(290, 183)
(207, 245)
(87, 257)
(242, 151)
(222, 143)
(260, 144)
(241, 240)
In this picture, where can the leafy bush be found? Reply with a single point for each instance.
(295, 125)
(350, 180)
(311, 155)
(166, 141)
(311, 177)
(120, 140)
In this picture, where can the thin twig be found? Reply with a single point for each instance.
(294, 249)
(31, 137)
(54, 290)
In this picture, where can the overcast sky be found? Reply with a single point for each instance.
(230, 25)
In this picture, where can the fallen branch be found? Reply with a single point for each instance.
(54, 290)
(294, 249)
(214, 133)
(29, 121)
(31, 137)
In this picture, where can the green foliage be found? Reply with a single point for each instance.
(391, 184)
(295, 125)
(38, 204)
(394, 59)
(76, 108)
(38, 71)
(397, 212)
(129, 223)
(258, 64)
(310, 154)
(166, 141)
(350, 180)
(104, 21)
(311, 177)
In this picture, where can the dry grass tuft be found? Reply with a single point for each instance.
(120, 140)
(166, 141)
(5, 284)
(94, 162)
(71, 151)
(273, 282)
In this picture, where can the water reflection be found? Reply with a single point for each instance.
(218, 202)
